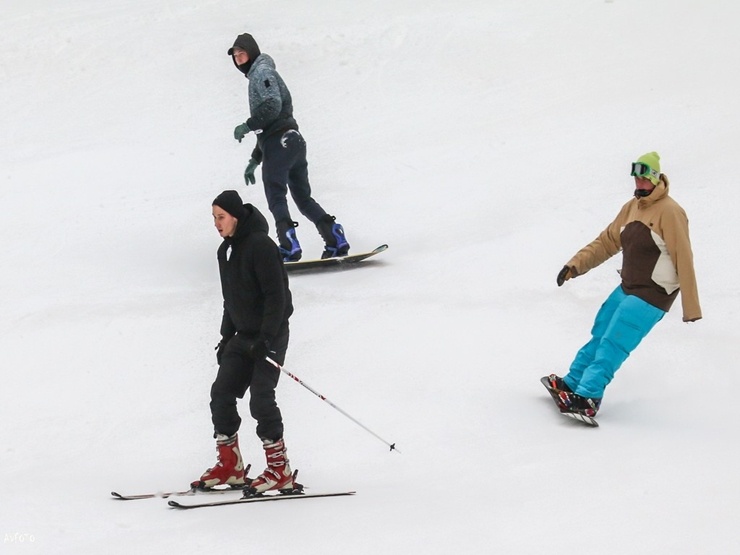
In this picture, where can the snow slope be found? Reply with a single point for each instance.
(485, 142)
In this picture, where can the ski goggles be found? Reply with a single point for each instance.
(640, 169)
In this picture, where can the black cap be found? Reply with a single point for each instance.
(231, 202)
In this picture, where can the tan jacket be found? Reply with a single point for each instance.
(653, 233)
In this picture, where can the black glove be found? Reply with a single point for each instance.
(220, 348)
(565, 274)
(258, 349)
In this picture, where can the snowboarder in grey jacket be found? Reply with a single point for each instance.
(281, 149)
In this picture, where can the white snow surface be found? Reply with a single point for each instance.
(485, 142)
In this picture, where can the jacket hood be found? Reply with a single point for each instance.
(253, 222)
(660, 191)
(247, 43)
(263, 60)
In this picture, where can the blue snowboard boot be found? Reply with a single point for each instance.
(335, 243)
(290, 248)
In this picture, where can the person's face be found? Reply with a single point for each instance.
(240, 56)
(644, 184)
(225, 223)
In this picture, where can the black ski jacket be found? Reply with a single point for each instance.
(257, 300)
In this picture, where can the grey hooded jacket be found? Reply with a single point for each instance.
(270, 103)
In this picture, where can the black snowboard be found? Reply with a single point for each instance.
(348, 261)
(589, 420)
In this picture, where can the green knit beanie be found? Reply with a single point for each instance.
(651, 159)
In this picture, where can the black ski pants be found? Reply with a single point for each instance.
(285, 168)
(237, 373)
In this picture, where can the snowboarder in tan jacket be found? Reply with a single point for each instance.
(652, 231)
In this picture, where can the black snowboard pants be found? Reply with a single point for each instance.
(284, 168)
(237, 373)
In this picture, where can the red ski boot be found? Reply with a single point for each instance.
(229, 470)
(277, 475)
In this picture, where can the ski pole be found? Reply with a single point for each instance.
(320, 396)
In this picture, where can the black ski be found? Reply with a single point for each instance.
(255, 499)
(166, 494)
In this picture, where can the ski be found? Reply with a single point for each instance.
(255, 499)
(166, 494)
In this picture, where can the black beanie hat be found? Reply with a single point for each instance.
(231, 202)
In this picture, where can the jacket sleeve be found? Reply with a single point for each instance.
(257, 154)
(265, 100)
(270, 275)
(606, 245)
(227, 326)
(228, 329)
(675, 228)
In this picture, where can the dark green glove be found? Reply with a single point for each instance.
(240, 131)
(249, 172)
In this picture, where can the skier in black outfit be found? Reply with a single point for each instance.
(282, 151)
(257, 306)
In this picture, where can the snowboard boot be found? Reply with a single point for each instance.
(556, 382)
(277, 475)
(288, 242)
(229, 470)
(335, 243)
(572, 402)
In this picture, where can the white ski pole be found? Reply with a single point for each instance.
(320, 396)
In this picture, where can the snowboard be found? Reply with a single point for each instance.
(577, 416)
(349, 261)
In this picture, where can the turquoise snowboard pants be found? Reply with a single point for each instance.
(621, 323)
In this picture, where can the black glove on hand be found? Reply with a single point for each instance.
(565, 274)
(259, 349)
(220, 348)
